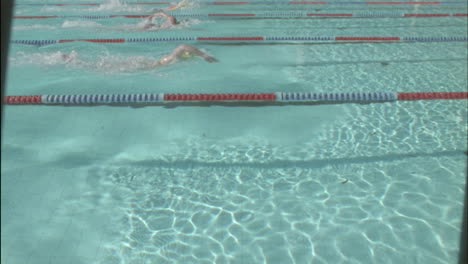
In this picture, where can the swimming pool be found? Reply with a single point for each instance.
(301, 183)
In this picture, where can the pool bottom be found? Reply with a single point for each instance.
(247, 212)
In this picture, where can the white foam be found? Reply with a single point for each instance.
(109, 5)
(158, 24)
(119, 64)
(189, 22)
(49, 58)
(80, 23)
(102, 64)
(134, 27)
(36, 26)
(117, 5)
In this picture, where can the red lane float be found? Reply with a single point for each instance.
(23, 99)
(221, 97)
(432, 96)
(94, 40)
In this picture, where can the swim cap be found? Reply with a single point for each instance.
(186, 55)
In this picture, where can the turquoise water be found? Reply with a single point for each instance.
(245, 185)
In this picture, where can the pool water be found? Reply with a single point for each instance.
(346, 183)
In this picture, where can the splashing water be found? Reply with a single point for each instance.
(112, 4)
(105, 63)
(36, 26)
(81, 23)
(118, 5)
(47, 59)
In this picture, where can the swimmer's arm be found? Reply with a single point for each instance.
(205, 56)
(159, 14)
(187, 48)
(172, 20)
(168, 17)
(166, 59)
(208, 58)
(178, 5)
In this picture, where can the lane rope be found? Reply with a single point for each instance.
(277, 97)
(256, 39)
(262, 15)
(267, 2)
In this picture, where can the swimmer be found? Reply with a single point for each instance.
(183, 51)
(69, 57)
(170, 20)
